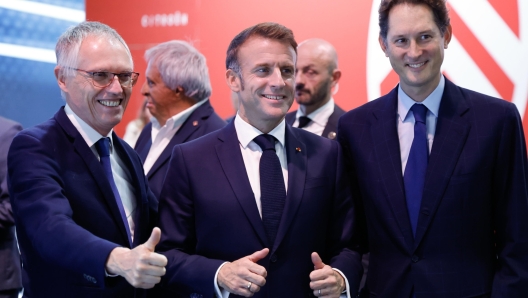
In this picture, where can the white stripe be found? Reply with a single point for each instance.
(29, 53)
(47, 10)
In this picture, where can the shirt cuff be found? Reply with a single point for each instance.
(220, 293)
(346, 292)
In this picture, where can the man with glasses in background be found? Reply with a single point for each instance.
(81, 203)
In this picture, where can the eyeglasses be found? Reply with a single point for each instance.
(102, 79)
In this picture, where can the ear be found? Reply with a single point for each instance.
(447, 36)
(179, 90)
(336, 75)
(233, 80)
(61, 79)
(383, 45)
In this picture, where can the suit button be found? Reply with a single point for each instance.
(273, 258)
(415, 259)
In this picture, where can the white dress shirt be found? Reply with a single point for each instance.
(162, 135)
(319, 117)
(251, 153)
(406, 119)
(122, 177)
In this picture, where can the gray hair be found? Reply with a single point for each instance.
(69, 43)
(181, 65)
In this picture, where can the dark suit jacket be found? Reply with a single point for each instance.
(67, 218)
(201, 122)
(208, 215)
(330, 128)
(10, 277)
(472, 232)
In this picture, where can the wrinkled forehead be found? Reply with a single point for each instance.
(104, 51)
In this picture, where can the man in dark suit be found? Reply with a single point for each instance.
(177, 90)
(440, 172)
(258, 207)
(81, 202)
(10, 277)
(316, 77)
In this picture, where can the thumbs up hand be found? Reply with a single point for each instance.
(141, 266)
(244, 276)
(325, 281)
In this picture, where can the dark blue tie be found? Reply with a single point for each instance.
(103, 148)
(272, 189)
(414, 176)
(304, 121)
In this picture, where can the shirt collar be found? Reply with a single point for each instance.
(178, 119)
(90, 135)
(319, 116)
(432, 102)
(246, 132)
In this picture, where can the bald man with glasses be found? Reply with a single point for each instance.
(82, 205)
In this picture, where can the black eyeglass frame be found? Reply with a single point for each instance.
(133, 78)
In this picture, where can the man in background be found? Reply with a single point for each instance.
(177, 89)
(317, 75)
(10, 277)
(82, 206)
(440, 172)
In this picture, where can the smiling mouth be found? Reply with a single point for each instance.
(110, 103)
(416, 65)
(275, 97)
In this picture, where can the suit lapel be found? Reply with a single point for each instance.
(386, 148)
(450, 136)
(331, 126)
(296, 179)
(194, 122)
(144, 142)
(231, 160)
(94, 167)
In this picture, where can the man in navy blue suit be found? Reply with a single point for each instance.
(177, 90)
(81, 202)
(246, 217)
(10, 275)
(440, 172)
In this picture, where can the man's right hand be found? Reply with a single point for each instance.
(244, 276)
(141, 266)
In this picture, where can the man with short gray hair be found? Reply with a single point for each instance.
(177, 90)
(81, 203)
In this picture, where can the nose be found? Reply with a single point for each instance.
(145, 89)
(276, 79)
(115, 86)
(414, 49)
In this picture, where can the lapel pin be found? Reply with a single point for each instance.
(332, 135)
(298, 149)
(195, 123)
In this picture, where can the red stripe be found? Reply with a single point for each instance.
(509, 11)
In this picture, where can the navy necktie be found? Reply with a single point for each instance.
(103, 148)
(272, 189)
(414, 176)
(304, 121)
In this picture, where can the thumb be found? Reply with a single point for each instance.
(316, 260)
(154, 239)
(258, 255)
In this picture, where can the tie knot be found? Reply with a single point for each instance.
(303, 121)
(103, 147)
(419, 111)
(265, 141)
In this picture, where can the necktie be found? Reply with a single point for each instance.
(103, 148)
(414, 176)
(303, 121)
(272, 190)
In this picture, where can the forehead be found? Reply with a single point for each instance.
(312, 55)
(409, 18)
(259, 50)
(103, 53)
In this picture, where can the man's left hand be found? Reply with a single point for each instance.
(325, 281)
